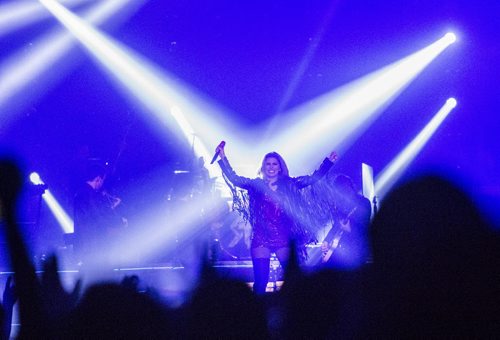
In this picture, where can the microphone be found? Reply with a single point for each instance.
(221, 145)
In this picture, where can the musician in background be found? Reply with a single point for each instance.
(346, 245)
(201, 178)
(95, 219)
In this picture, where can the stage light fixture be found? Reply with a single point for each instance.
(35, 178)
(450, 37)
(368, 185)
(61, 216)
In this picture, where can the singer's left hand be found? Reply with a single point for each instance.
(333, 156)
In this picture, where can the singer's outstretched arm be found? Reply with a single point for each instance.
(239, 181)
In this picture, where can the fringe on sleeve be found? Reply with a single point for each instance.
(311, 209)
(240, 200)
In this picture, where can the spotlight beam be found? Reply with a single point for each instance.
(160, 233)
(339, 117)
(19, 14)
(303, 65)
(55, 208)
(161, 97)
(126, 69)
(143, 81)
(19, 70)
(393, 170)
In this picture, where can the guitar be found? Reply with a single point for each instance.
(345, 226)
(332, 246)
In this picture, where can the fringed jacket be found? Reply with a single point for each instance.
(295, 211)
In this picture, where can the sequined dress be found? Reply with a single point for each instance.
(273, 213)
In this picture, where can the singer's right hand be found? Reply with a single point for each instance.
(220, 150)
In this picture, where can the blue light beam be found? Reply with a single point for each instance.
(336, 119)
(168, 100)
(61, 216)
(391, 173)
(18, 14)
(19, 70)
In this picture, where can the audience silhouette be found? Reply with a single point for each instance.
(436, 264)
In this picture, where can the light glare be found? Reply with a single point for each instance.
(35, 178)
(451, 102)
(450, 37)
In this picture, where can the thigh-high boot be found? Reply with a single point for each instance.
(260, 274)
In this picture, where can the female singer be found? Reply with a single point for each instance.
(274, 203)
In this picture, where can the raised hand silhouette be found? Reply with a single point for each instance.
(32, 317)
(8, 301)
(57, 302)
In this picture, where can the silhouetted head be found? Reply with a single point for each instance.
(343, 184)
(115, 311)
(426, 217)
(436, 263)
